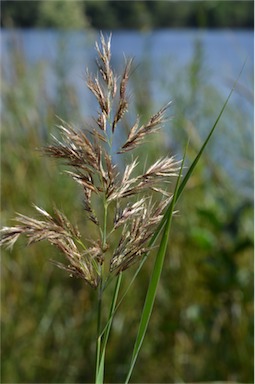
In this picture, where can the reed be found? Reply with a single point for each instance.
(142, 204)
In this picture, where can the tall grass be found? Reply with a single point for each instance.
(70, 353)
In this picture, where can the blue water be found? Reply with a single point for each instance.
(167, 52)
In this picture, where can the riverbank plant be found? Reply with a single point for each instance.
(134, 208)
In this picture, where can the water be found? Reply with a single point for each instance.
(224, 53)
(166, 51)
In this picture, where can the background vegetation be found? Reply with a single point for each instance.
(202, 324)
(141, 15)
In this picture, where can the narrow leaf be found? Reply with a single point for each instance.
(152, 289)
(106, 332)
(166, 223)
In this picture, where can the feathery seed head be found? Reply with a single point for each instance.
(104, 187)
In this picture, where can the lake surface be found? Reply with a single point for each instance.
(162, 54)
(224, 53)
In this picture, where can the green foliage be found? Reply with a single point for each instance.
(201, 328)
(61, 14)
(107, 14)
(19, 13)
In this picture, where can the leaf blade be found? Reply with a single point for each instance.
(166, 223)
(152, 289)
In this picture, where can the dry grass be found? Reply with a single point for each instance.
(88, 154)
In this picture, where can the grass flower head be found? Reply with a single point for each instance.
(88, 156)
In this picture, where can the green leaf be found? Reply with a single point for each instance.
(166, 223)
(156, 273)
(106, 332)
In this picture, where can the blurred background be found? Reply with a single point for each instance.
(189, 52)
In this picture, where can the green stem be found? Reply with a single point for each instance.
(105, 223)
(99, 315)
(106, 331)
(100, 295)
(112, 311)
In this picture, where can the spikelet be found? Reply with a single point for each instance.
(90, 164)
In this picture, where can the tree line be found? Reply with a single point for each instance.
(121, 14)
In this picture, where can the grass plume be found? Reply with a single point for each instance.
(87, 154)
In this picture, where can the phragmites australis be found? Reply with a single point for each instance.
(89, 155)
